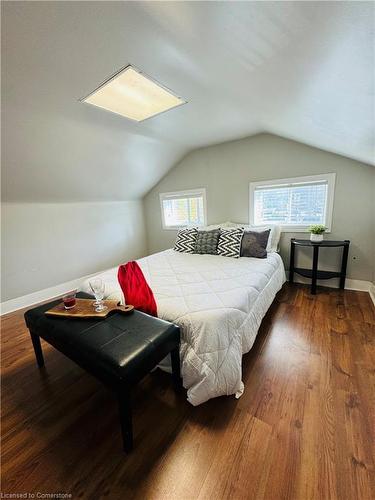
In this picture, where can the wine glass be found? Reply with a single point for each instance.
(97, 286)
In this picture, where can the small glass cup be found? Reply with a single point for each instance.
(69, 299)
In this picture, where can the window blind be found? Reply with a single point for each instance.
(291, 204)
(183, 211)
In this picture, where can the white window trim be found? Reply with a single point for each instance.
(182, 194)
(290, 228)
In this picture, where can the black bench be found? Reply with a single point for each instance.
(119, 350)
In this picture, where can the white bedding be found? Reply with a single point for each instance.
(218, 302)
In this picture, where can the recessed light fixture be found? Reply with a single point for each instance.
(134, 95)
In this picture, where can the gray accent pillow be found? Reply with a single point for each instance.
(254, 244)
(207, 241)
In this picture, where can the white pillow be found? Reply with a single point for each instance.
(273, 240)
(210, 228)
(230, 225)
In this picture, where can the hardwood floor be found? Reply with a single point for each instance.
(303, 429)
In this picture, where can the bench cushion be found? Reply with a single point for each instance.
(121, 348)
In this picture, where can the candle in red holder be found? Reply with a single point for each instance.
(69, 300)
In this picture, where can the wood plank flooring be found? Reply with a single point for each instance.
(304, 428)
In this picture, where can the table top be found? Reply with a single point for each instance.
(36, 317)
(324, 243)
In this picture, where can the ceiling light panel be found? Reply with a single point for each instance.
(132, 94)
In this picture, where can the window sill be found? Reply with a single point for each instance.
(288, 229)
(284, 229)
(177, 228)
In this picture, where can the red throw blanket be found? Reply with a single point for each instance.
(135, 288)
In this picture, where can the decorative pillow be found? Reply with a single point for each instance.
(185, 241)
(207, 241)
(230, 242)
(209, 228)
(274, 238)
(254, 244)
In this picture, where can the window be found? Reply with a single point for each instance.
(294, 204)
(183, 208)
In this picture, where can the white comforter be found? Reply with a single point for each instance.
(218, 302)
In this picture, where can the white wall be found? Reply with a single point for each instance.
(226, 169)
(46, 244)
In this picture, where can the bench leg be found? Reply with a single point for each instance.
(175, 360)
(35, 339)
(125, 411)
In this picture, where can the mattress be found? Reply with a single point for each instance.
(218, 303)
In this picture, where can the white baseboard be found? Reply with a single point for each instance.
(56, 291)
(359, 285)
(41, 296)
(350, 284)
(372, 292)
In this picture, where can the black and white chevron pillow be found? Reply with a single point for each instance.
(230, 242)
(186, 239)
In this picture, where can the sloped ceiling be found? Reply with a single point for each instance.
(302, 70)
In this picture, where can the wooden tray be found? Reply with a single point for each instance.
(84, 309)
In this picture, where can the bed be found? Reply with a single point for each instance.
(218, 302)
